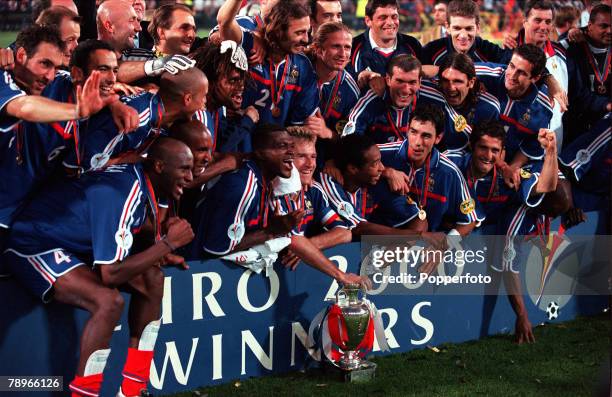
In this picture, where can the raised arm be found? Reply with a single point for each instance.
(226, 18)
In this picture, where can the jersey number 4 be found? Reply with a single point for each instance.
(61, 257)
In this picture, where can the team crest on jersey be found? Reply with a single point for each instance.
(525, 174)
(293, 75)
(431, 184)
(99, 160)
(307, 204)
(467, 206)
(349, 128)
(124, 238)
(336, 101)
(340, 126)
(235, 231)
(583, 156)
(345, 210)
(526, 117)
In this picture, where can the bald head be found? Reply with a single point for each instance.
(117, 24)
(190, 80)
(184, 93)
(188, 131)
(168, 150)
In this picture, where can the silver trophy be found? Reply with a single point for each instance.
(356, 315)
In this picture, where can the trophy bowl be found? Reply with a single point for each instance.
(356, 315)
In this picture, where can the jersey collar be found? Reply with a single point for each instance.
(433, 161)
(376, 47)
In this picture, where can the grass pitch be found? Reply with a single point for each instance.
(566, 360)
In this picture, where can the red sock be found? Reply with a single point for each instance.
(136, 371)
(86, 385)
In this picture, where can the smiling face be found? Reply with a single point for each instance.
(422, 137)
(371, 170)
(403, 86)
(384, 25)
(201, 148)
(180, 36)
(335, 52)
(70, 32)
(455, 86)
(296, 36)
(538, 25)
(599, 30)
(485, 154)
(34, 72)
(327, 11)
(176, 173)
(518, 78)
(105, 62)
(463, 32)
(305, 159)
(277, 156)
(125, 25)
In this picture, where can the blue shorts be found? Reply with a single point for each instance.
(39, 272)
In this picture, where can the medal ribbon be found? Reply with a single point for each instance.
(330, 101)
(75, 134)
(364, 201)
(277, 95)
(19, 143)
(264, 208)
(424, 183)
(154, 207)
(606, 67)
(472, 181)
(394, 126)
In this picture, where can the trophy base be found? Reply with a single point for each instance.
(364, 373)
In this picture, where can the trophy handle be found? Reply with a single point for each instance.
(339, 293)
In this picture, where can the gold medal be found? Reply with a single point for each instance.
(467, 206)
(601, 89)
(460, 123)
(340, 126)
(422, 214)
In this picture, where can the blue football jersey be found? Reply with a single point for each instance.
(354, 207)
(458, 123)
(435, 52)
(522, 118)
(31, 151)
(9, 90)
(285, 93)
(337, 99)
(95, 216)
(589, 157)
(101, 140)
(319, 215)
(438, 187)
(364, 57)
(233, 206)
